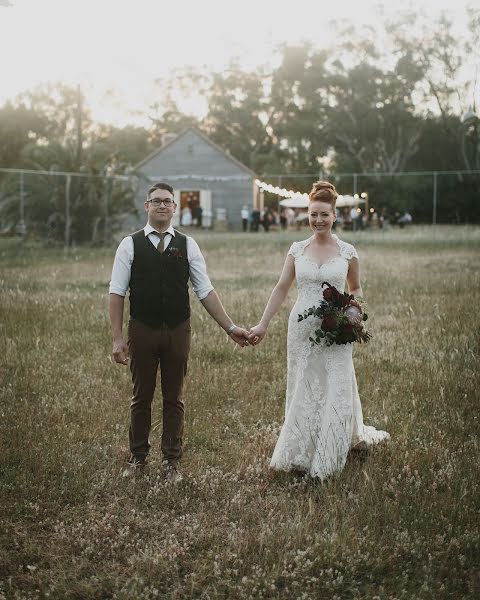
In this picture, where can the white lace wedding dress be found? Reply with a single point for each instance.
(323, 414)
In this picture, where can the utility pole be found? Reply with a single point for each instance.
(78, 119)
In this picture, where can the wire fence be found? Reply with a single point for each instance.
(429, 196)
(77, 208)
(58, 206)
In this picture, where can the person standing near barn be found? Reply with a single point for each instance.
(156, 263)
(244, 214)
(255, 223)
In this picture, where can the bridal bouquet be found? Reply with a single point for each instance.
(342, 317)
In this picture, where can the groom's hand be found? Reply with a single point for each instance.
(240, 336)
(120, 352)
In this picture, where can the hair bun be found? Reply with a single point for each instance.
(323, 191)
(323, 185)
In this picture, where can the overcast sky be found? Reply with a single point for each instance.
(125, 44)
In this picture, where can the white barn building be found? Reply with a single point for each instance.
(202, 175)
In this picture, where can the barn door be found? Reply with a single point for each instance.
(206, 204)
(176, 214)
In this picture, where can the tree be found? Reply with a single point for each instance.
(440, 57)
(361, 117)
(370, 118)
(68, 120)
(297, 108)
(165, 115)
(119, 148)
(19, 125)
(59, 142)
(237, 113)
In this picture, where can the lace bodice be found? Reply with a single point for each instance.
(310, 275)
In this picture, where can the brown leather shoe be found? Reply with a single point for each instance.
(171, 472)
(135, 466)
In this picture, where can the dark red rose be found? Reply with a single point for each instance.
(329, 323)
(344, 300)
(337, 297)
(347, 335)
(328, 294)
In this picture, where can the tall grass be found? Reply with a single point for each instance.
(399, 522)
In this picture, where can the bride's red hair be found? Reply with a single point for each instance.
(324, 191)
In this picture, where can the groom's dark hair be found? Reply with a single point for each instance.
(160, 186)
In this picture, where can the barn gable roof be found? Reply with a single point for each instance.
(205, 139)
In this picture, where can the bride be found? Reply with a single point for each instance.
(323, 414)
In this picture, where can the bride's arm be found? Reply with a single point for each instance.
(277, 296)
(353, 278)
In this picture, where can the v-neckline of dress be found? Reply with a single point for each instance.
(326, 262)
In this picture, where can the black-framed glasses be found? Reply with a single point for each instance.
(160, 201)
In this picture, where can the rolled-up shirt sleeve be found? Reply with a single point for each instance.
(201, 283)
(122, 266)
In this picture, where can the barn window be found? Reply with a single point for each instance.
(190, 149)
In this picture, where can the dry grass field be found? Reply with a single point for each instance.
(401, 522)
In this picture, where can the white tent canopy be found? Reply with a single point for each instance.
(301, 201)
(349, 201)
(297, 202)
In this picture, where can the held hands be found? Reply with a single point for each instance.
(240, 336)
(257, 334)
(120, 352)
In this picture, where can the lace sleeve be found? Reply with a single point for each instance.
(294, 250)
(297, 248)
(348, 251)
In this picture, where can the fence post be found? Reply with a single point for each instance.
(21, 226)
(434, 214)
(106, 230)
(67, 210)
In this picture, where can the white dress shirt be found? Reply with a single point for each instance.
(122, 264)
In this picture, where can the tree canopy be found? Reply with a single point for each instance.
(380, 101)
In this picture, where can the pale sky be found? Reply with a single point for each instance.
(124, 45)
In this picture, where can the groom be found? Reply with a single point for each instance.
(156, 264)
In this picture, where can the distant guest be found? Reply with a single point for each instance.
(405, 219)
(244, 215)
(255, 224)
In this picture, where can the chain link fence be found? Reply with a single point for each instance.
(86, 208)
(62, 207)
(451, 197)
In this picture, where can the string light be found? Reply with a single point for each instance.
(200, 177)
(267, 187)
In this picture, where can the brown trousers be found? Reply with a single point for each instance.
(149, 348)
